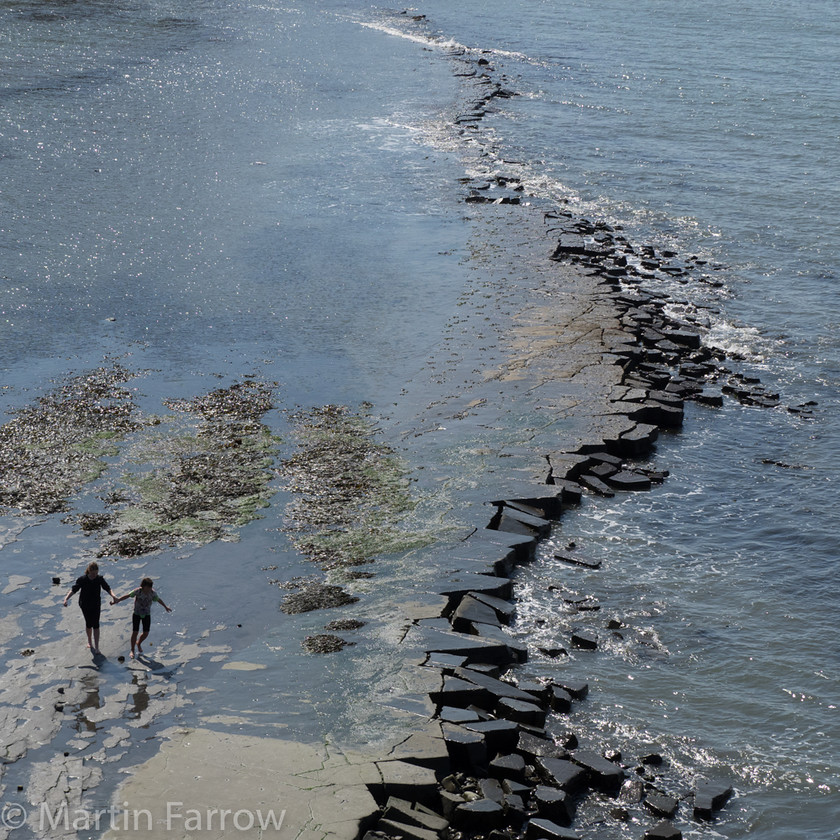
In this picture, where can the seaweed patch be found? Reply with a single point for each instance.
(49, 450)
(316, 596)
(352, 491)
(324, 643)
(194, 483)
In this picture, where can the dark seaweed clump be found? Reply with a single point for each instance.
(324, 643)
(351, 490)
(316, 596)
(344, 624)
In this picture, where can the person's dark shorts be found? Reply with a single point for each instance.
(136, 619)
(91, 614)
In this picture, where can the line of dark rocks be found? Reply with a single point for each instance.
(514, 769)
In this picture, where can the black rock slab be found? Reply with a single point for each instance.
(708, 398)
(445, 661)
(519, 522)
(577, 559)
(601, 458)
(510, 766)
(585, 639)
(543, 499)
(492, 632)
(500, 735)
(710, 796)
(522, 507)
(638, 440)
(523, 545)
(659, 414)
(555, 805)
(449, 802)
(628, 480)
(521, 711)
(541, 692)
(570, 244)
(603, 471)
(541, 829)
(516, 812)
(563, 774)
(470, 610)
(467, 750)
(570, 491)
(498, 688)
(473, 648)
(560, 700)
(568, 465)
(595, 485)
(459, 584)
(532, 747)
(683, 337)
(497, 567)
(663, 830)
(603, 774)
(500, 558)
(577, 688)
(480, 816)
(459, 694)
(504, 609)
(453, 714)
(661, 804)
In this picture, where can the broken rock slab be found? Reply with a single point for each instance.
(710, 796)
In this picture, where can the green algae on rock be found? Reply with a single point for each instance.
(199, 484)
(352, 491)
(52, 448)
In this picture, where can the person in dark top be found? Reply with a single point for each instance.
(89, 587)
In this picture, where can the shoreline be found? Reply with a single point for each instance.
(497, 750)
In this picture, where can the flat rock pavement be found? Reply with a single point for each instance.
(216, 784)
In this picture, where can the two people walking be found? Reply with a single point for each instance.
(90, 586)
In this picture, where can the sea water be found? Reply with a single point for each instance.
(232, 189)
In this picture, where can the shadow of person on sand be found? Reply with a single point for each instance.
(96, 663)
(158, 668)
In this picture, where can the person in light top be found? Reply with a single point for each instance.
(144, 597)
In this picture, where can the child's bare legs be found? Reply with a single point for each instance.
(89, 631)
(96, 640)
(138, 643)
